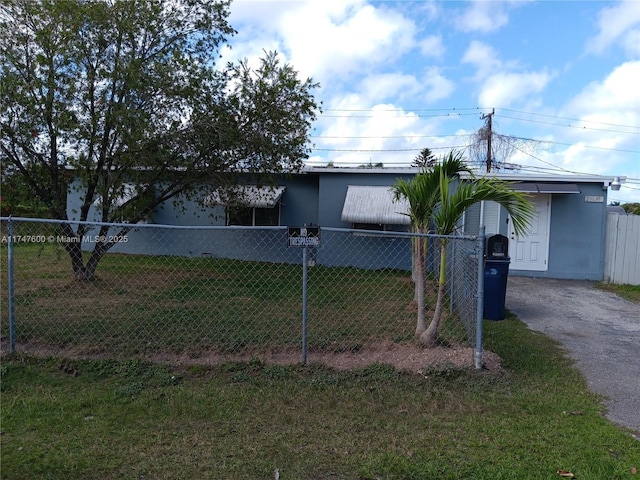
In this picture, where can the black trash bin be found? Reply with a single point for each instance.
(496, 271)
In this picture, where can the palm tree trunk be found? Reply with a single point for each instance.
(419, 281)
(430, 336)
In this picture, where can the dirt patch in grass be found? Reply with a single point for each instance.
(402, 356)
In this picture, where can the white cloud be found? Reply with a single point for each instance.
(328, 41)
(482, 16)
(384, 86)
(431, 87)
(359, 41)
(432, 46)
(382, 133)
(616, 99)
(505, 89)
(483, 57)
(608, 117)
(600, 124)
(618, 26)
(499, 82)
(439, 87)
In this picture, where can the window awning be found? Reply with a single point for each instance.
(247, 196)
(546, 187)
(374, 205)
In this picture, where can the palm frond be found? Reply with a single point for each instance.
(423, 191)
(453, 205)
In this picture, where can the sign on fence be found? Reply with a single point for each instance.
(304, 236)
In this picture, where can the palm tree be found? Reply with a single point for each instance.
(451, 207)
(422, 194)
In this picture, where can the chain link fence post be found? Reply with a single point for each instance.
(480, 294)
(305, 277)
(10, 284)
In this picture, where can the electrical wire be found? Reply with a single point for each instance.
(381, 136)
(571, 126)
(453, 111)
(568, 118)
(399, 115)
(366, 150)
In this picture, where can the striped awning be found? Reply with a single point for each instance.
(247, 196)
(374, 205)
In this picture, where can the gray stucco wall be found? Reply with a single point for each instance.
(576, 236)
(299, 201)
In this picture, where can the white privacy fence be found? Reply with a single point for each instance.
(622, 256)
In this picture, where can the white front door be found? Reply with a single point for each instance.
(531, 252)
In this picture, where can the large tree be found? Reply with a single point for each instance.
(127, 97)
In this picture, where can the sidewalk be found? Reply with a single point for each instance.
(598, 329)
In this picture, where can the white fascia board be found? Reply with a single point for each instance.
(514, 177)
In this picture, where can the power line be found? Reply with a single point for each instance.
(453, 111)
(382, 136)
(378, 150)
(570, 119)
(572, 126)
(398, 115)
(563, 169)
(570, 144)
(396, 137)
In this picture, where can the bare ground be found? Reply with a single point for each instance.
(407, 357)
(403, 357)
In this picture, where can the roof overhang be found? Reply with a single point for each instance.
(374, 204)
(246, 196)
(551, 188)
(606, 181)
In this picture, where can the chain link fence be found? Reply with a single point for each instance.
(199, 292)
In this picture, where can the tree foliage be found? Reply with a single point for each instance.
(127, 97)
(452, 204)
(422, 195)
(632, 208)
(437, 200)
(425, 160)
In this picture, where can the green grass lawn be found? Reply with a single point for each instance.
(132, 419)
(104, 419)
(629, 292)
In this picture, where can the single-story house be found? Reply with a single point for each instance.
(567, 239)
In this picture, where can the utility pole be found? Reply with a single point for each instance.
(488, 117)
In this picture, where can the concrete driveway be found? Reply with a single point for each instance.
(600, 330)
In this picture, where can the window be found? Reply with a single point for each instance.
(254, 217)
(249, 205)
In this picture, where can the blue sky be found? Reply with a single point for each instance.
(399, 76)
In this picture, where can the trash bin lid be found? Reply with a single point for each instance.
(497, 246)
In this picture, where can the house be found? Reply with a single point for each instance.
(567, 239)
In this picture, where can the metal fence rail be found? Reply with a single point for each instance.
(200, 291)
